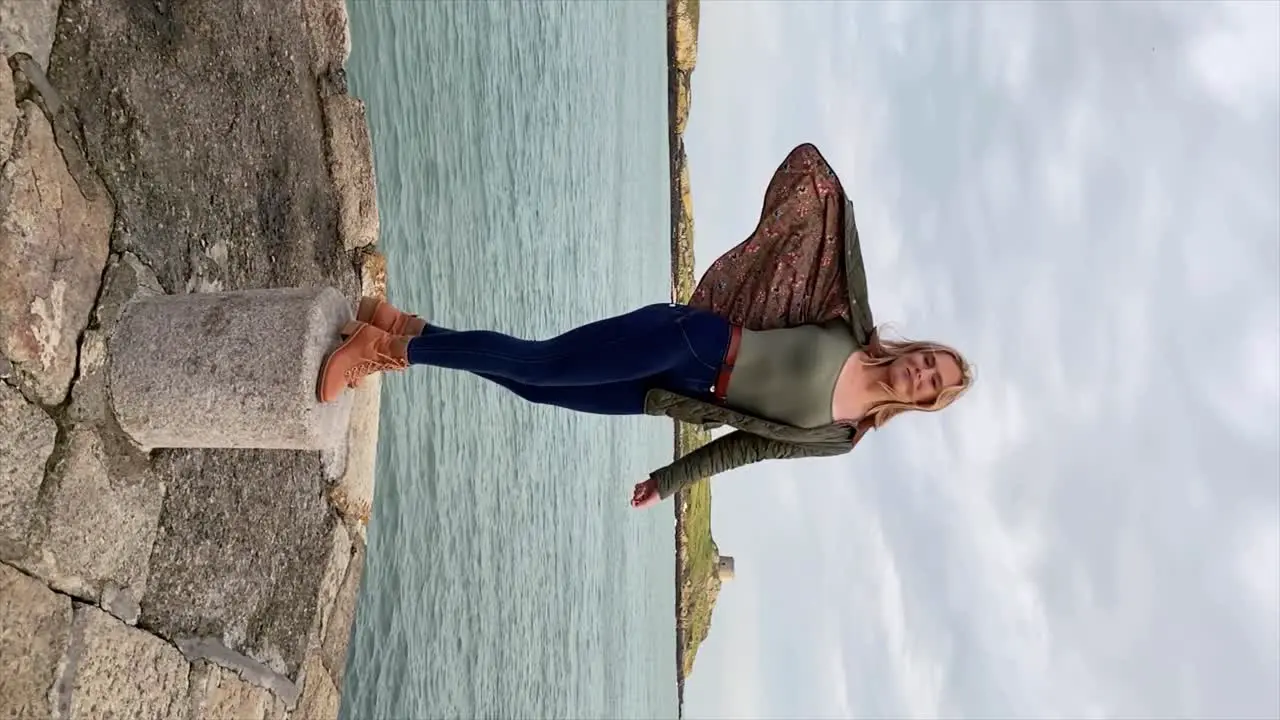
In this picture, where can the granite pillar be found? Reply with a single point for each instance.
(228, 369)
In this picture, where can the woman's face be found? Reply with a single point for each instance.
(918, 377)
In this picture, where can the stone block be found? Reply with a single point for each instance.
(220, 694)
(335, 575)
(350, 153)
(115, 671)
(352, 495)
(320, 699)
(329, 34)
(99, 524)
(204, 121)
(240, 557)
(35, 623)
(27, 436)
(89, 402)
(125, 278)
(373, 273)
(120, 602)
(9, 112)
(341, 619)
(28, 26)
(53, 247)
(228, 370)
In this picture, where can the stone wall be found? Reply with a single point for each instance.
(171, 148)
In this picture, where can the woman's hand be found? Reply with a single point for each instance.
(645, 494)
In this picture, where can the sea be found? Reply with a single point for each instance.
(523, 186)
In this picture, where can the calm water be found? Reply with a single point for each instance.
(521, 155)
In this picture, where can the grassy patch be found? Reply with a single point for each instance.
(699, 586)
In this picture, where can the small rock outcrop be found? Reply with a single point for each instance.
(28, 26)
(329, 36)
(351, 164)
(54, 243)
(682, 21)
(27, 436)
(95, 528)
(681, 98)
(34, 635)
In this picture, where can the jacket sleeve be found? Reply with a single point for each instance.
(726, 452)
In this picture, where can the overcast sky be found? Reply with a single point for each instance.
(1086, 199)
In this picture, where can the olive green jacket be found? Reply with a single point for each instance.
(755, 438)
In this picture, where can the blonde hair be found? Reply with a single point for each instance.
(882, 352)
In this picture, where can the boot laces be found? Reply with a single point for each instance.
(382, 360)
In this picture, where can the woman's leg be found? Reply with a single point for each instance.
(624, 398)
(642, 345)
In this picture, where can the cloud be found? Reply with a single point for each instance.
(1229, 56)
(1258, 568)
(1245, 393)
(915, 672)
(746, 694)
(1082, 197)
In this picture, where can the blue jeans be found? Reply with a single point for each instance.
(605, 367)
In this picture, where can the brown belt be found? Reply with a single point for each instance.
(721, 389)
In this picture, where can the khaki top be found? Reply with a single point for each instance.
(789, 374)
(759, 435)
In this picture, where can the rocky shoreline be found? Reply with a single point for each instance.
(165, 147)
(682, 57)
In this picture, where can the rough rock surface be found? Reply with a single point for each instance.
(203, 119)
(8, 111)
(330, 34)
(320, 699)
(27, 26)
(34, 627)
(373, 273)
(53, 247)
(683, 23)
(682, 99)
(115, 671)
(353, 493)
(240, 554)
(337, 631)
(126, 278)
(219, 694)
(340, 551)
(98, 522)
(27, 436)
(350, 151)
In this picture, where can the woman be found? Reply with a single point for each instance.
(777, 341)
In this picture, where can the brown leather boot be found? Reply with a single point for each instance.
(367, 350)
(385, 316)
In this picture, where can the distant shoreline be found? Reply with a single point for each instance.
(682, 23)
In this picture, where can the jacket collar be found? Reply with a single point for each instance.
(856, 279)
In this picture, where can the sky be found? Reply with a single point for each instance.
(1085, 199)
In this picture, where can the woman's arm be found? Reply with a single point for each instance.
(726, 452)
